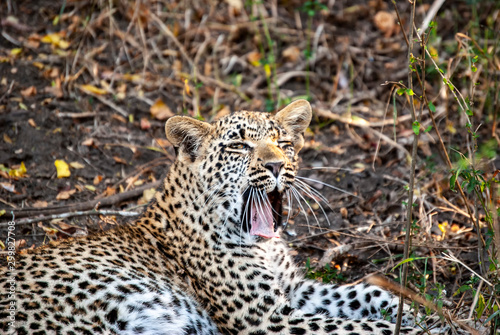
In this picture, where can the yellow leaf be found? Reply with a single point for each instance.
(19, 172)
(56, 40)
(16, 51)
(160, 111)
(186, 87)
(267, 68)
(442, 226)
(451, 128)
(434, 53)
(90, 188)
(132, 77)
(92, 89)
(39, 65)
(62, 168)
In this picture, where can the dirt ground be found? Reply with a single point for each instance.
(91, 83)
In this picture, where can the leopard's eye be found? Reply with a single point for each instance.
(285, 145)
(238, 146)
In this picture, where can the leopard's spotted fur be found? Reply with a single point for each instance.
(191, 264)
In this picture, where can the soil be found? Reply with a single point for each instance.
(119, 144)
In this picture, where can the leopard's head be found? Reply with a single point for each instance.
(243, 164)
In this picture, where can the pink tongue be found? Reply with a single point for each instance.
(262, 221)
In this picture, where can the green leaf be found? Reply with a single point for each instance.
(491, 317)
(416, 127)
(409, 91)
(428, 129)
(400, 91)
(473, 68)
(469, 112)
(481, 305)
(453, 180)
(432, 108)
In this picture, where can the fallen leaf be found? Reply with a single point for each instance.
(147, 195)
(120, 160)
(385, 22)
(19, 171)
(62, 168)
(32, 123)
(90, 188)
(92, 89)
(160, 111)
(145, 124)
(49, 230)
(254, 58)
(97, 179)
(291, 54)
(40, 204)
(56, 40)
(88, 142)
(109, 191)
(237, 4)
(63, 195)
(9, 187)
(7, 139)
(76, 165)
(38, 65)
(29, 92)
(16, 51)
(55, 89)
(187, 88)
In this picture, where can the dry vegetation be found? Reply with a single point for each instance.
(85, 88)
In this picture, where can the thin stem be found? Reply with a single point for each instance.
(412, 172)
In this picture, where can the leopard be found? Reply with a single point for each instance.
(206, 256)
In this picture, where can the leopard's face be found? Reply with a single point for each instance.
(246, 162)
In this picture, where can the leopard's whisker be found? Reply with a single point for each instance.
(327, 185)
(289, 204)
(311, 191)
(211, 197)
(294, 193)
(244, 215)
(303, 199)
(260, 203)
(316, 201)
(207, 191)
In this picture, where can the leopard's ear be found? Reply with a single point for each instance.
(186, 135)
(295, 117)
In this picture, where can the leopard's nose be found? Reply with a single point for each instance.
(274, 167)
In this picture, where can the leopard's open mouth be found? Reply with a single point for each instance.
(262, 213)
